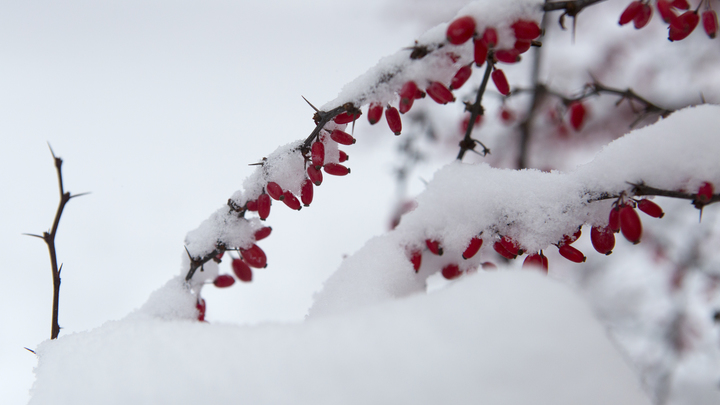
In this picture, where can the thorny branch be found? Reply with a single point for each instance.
(476, 110)
(49, 238)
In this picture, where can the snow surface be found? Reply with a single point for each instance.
(506, 337)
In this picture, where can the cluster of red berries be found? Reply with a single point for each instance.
(622, 218)
(680, 25)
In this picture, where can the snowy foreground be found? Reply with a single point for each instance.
(508, 337)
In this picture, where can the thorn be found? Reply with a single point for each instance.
(31, 351)
(188, 253)
(80, 195)
(32, 234)
(313, 107)
(53, 155)
(60, 269)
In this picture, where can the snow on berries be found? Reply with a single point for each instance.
(434, 247)
(472, 248)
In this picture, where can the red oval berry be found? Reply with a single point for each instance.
(603, 239)
(263, 204)
(710, 23)
(577, 114)
(536, 260)
(460, 30)
(666, 11)
(522, 45)
(630, 224)
(526, 29)
(643, 17)
(342, 137)
(315, 175)
(507, 55)
(511, 245)
(336, 169)
(274, 190)
(393, 119)
(571, 254)
(242, 270)
(502, 251)
(342, 156)
(490, 37)
(251, 205)
(407, 96)
(681, 4)
(291, 201)
(374, 113)
(434, 247)
(683, 25)
(488, 266)
(480, 51)
(438, 92)
(306, 192)
(346, 118)
(461, 77)
(201, 307)
(451, 271)
(254, 256)
(614, 219)
(501, 82)
(224, 280)
(650, 208)
(631, 11)
(569, 239)
(705, 192)
(262, 233)
(473, 247)
(317, 154)
(507, 116)
(416, 260)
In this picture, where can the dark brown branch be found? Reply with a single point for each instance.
(476, 110)
(49, 238)
(641, 189)
(572, 8)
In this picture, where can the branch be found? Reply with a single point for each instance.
(476, 110)
(572, 8)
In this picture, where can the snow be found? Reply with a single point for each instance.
(505, 337)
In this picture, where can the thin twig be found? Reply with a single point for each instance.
(476, 110)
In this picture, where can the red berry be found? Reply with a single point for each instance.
(488, 266)
(393, 119)
(263, 204)
(614, 220)
(291, 201)
(571, 254)
(438, 92)
(460, 77)
(460, 30)
(274, 190)
(507, 55)
(242, 270)
(306, 192)
(262, 233)
(603, 239)
(374, 113)
(502, 251)
(511, 245)
(536, 260)
(315, 175)
(434, 247)
(342, 156)
(254, 256)
(643, 17)
(451, 271)
(526, 29)
(336, 169)
(480, 51)
(346, 118)
(501, 82)
(473, 248)
(650, 208)
(490, 37)
(507, 115)
(577, 114)
(416, 260)
(569, 239)
(251, 205)
(630, 224)
(466, 121)
(683, 25)
(710, 23)
(317, 154)
(522, 45)
(666, 11)
(224, 280)
(407, 96)
(681, 4)
(631, 11)
(201, 307)
(342, 137)
(705, 193)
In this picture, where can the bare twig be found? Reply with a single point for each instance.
(476, 110)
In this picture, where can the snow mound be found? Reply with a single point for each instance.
(492, 338)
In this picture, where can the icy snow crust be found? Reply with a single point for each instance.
(533, 207)
(510, 338)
